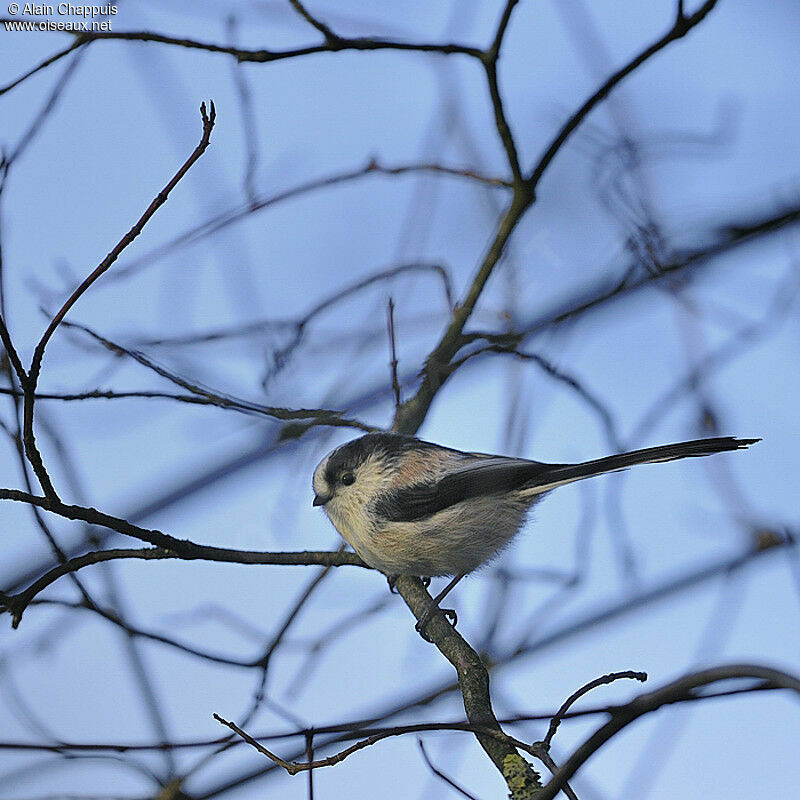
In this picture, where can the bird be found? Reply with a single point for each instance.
(412, 507)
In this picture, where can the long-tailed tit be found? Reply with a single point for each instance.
(409, 507)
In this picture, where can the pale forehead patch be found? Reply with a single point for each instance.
(319, 483)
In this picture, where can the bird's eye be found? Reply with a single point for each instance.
(348, 479)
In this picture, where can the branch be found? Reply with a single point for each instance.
(679, 691)
(682, 688)
(504, 344)
(491, 57)
(329, 35)
(334, 44)
(166, 546)
(359, 43)
(112, 616)
(57, 56)
(681, 27)
(575, 696)
(503, 128)
(29, 386)
(240, 212)
(411, 414)
(473, 679)
(127, 239)
(393, 355)
(361, 728)
(293, 767)
(318, 416)
(494, 50)
(11, 352)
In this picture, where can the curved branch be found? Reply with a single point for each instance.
(29, 386)
(491, 57)
(233, 215)
(166, 546)
(683, 24)
(682, 688)
(57, 56)
(312, 416)
(361, 728)
(604, 680)
(333, 44)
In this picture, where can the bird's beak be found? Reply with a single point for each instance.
(321, 499)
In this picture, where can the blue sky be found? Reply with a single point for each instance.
(715, 122)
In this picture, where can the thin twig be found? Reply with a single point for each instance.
(11, 353)
(681, 27)
(334, 45)
(57, 56)
(329, 35)
(358, 729)
(603, 412)
(494, 49)
(652, 701)
(439, 774)
(313, 416)
(393, 353)
(585, 689)
(209, 119)
(29, 387)
(323, 418)
(293, 767)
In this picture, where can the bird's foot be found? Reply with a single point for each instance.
(421, 626)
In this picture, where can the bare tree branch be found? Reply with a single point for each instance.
(652, 701)
(439, 774)
(29, 383)
(333, 45)
(473, 679)
(585, 689)
(329, 35)
(682, 26)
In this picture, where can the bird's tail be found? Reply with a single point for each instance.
(567, 473)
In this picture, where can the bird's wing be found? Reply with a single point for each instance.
(490, 475)
(486, 475)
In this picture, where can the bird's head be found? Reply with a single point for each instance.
(355, 473)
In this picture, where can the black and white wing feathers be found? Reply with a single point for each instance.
(483, 475)
(487, 476)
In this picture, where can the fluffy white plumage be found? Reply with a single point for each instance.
(410, 507)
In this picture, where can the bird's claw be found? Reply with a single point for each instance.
(421, 627)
